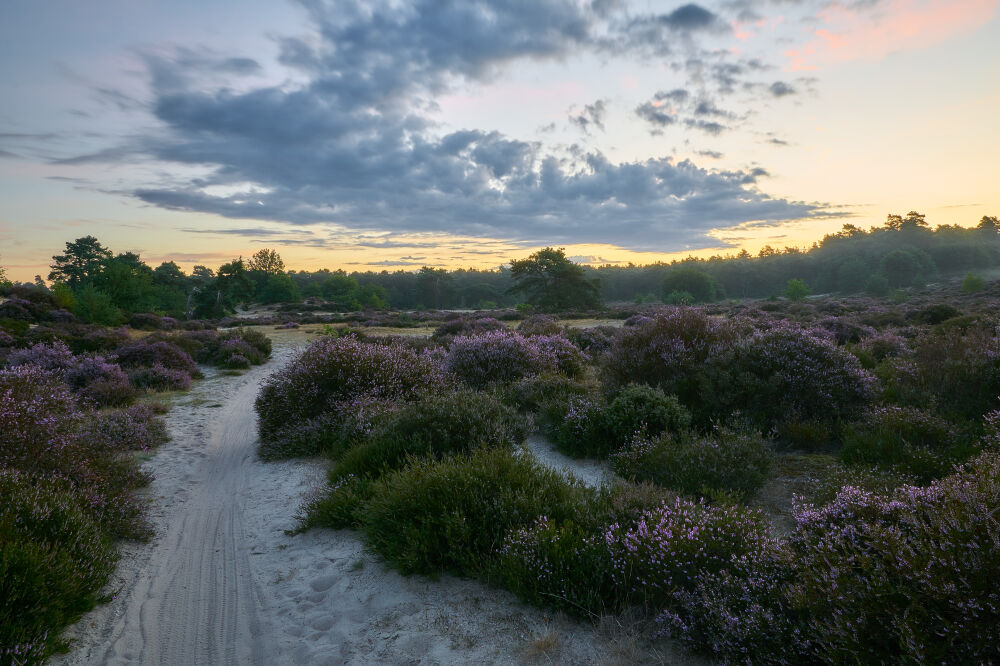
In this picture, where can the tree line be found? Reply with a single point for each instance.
(103, 287)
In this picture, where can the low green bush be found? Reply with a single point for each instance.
(435, 426)
(53, 561)
(725, 460)
(453, 515)
(906, 440)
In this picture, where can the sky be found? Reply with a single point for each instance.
(371, 135)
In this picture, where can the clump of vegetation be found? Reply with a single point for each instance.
(498, 358)
(300, 406)
(907, 440)
(735, 462)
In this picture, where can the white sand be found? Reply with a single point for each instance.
(221, 583)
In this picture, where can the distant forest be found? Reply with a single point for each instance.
(99, 286)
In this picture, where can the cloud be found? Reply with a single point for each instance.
(781, 89)
(690, 17)
(350, 143)
(592, 115)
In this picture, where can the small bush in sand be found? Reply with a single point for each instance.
(53, 561)
(297, 405)
(725, 460)
(435, 426)
(539, 324)
(452, 515)
(159, 378)
(143, 354)
(134, 428)
(645, 409)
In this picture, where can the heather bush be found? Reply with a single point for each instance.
(56, 356)
(237, 362)
(739, 614)
(960, 374)
(825, 487)
(496, 357)
(6, 340)
(668, 351)
(53, 561)
(536, 392)
(737, 462)
(907, 440)
(99, 383)
(578, 427)
(46, 434)
(461, 326)
(540, 324)
(329, 374)
(845, 331)
(594, 340)
(914, 572)
(142, 354)
(135, 428)
(567, 564)
(568, 358)
(435, 426)
(646, 409)
(881, 346)
(669, 547)
(786, 374)
(256, 338)
(159, 378)
(151, 322)
(453, 515)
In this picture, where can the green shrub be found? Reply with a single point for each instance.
(728, 461)
(828, 485)
(535, 393)
(973, 283)
(641, 408)
(453, 515)
(53, 562)
(906, 440)
(437, 425)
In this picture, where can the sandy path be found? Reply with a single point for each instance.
(222, 583)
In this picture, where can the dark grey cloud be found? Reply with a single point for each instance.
(781, 89)
(655, 114)
(691, 17)
(231, 231)
(352, 145)
(711, 154)
(591, 116)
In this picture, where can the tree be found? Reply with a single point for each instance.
(266, 261)
(83, 261)
(3, 277)
(796, 289)
(551, 282)
(699, 285)
(989, 225)
(906, 265)
(434, 286)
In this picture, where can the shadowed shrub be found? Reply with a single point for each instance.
(300, 402)
(730, 461)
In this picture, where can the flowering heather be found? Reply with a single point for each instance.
(142, 354)
(845, 330)
(333, 371)
(462, 326)
(16, 308)
(669, 547)
(903, 578)
(56, 356)
(668, 351)
(593, 340)
(46, 434)
(883, 345)
(786, 374)
(496, 357)
(6, 340)
(135, 428)
(740, 613)
(99, 383)
(540, 324)
(159, 378)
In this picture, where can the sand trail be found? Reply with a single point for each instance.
(222, 583)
